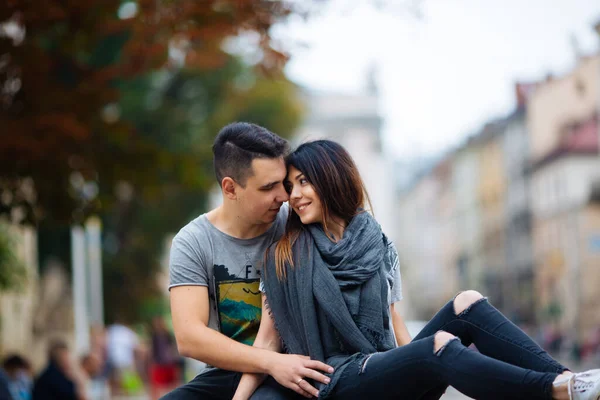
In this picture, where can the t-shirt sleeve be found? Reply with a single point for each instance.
(395, 279)
(187, 264)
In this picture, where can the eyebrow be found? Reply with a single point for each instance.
(299, 175)
(270, 184)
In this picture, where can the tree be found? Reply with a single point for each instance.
(12, 270)
(61, 64)
(109, 106)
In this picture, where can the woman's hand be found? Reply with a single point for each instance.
(292, 371)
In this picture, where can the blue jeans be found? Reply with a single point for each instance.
(218, 384)
(507, 365)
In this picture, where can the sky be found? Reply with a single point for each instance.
(444, 74)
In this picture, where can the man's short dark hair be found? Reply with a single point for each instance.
(239, 143)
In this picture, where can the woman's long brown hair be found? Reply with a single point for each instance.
(328, 167)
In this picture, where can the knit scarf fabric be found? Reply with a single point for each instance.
(334, 300)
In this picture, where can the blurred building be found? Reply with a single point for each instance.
(519, 296)
(420, 247)
(513, 212)
(563, 124)
(18, 307)
(447, 278)
(467, 215)
(61, 298)
(494, 276)
(41, 309)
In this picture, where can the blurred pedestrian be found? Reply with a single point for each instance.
(20, 376)
(96, 385)
(122, 343)
(4, 391)
(98, 346)
(60, 380)
(164, 366)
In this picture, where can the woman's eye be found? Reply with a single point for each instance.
(303, 181)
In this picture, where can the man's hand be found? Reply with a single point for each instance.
(292, 371)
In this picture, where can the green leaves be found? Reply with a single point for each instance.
(13, 273)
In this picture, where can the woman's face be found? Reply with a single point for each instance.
(303, 198)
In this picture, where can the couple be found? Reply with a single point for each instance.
(329, 282)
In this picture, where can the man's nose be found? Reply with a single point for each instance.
(282, 196)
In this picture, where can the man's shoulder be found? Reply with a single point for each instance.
(195, 229)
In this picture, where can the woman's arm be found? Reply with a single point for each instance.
(400, 330)
(266, 338)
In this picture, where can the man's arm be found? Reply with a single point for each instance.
(190, 313)
(400, 330)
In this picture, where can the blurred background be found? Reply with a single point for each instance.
(475, 126)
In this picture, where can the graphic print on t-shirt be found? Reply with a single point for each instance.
(238, 303)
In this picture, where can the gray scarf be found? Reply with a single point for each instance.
(334, 300)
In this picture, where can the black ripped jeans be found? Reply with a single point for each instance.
(507, 365)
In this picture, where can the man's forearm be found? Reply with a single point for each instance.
(267, 339)
(214, 348)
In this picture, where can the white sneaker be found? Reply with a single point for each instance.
(583, 385)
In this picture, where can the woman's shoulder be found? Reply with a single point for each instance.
(391, 254)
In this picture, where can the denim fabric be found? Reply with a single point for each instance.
(218, 384)
(507, 365)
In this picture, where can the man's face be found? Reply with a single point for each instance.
(64, 361)
(92, 365)
(259, 201)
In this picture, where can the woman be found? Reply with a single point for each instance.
(328, 289)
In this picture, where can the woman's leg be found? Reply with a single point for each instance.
(411, 371)
(475, 321)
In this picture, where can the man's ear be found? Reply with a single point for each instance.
(229, 188)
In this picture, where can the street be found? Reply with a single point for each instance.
(453, 394)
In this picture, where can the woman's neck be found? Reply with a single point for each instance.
(335, 228)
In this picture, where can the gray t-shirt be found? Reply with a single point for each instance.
(394, 277)
(202, 255)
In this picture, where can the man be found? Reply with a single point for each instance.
(122, 345)
(59, 380)
(214, 273)
(96, 387)
(19, 374)
(4, 387)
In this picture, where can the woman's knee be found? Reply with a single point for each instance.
(465, 299)
(441, 339)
